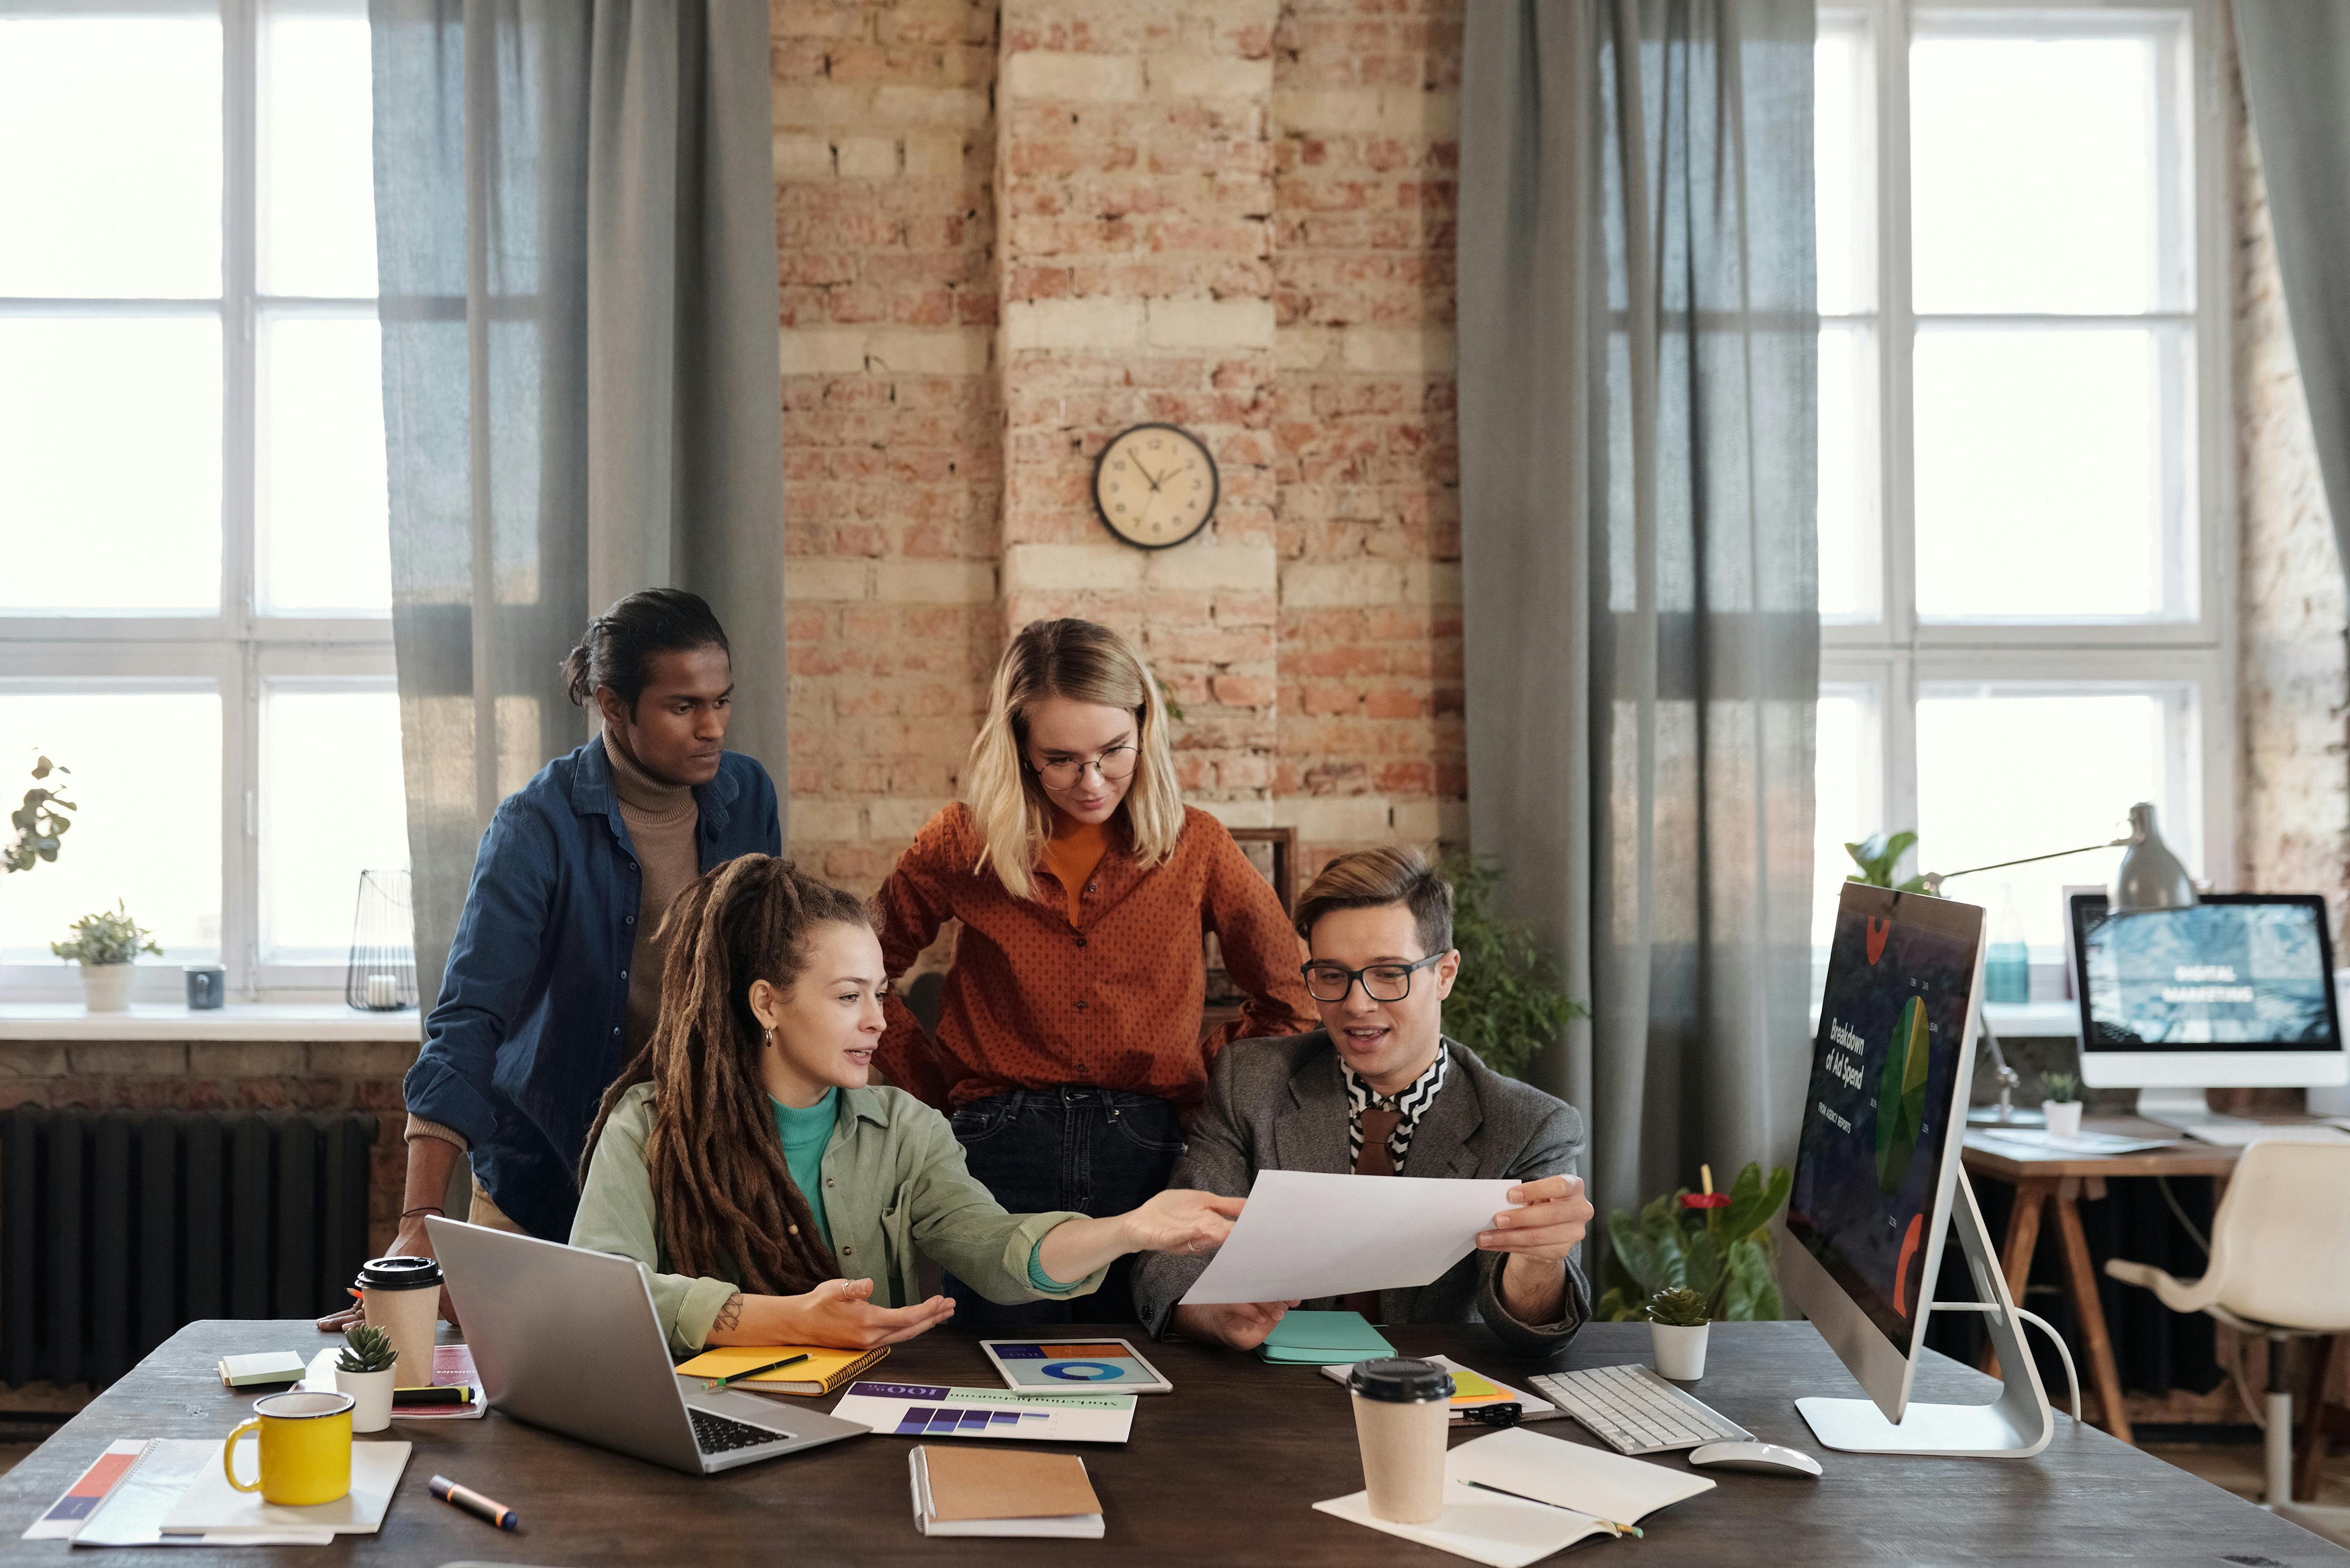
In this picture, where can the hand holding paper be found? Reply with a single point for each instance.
(1306, 1235)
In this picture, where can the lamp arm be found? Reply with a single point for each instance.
(1934, 879)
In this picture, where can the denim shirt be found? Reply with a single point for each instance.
(527, 1032)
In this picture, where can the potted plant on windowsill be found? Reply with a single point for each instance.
(2062, 1105)
(1676, 1326)
(107, 945)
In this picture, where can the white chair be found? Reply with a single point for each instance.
(2279, 1268)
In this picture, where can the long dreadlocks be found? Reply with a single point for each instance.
(720, 1184)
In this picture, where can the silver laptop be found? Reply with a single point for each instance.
(568, 1340)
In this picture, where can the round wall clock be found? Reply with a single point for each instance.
(1155, 485)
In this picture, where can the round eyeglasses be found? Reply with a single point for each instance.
(1115, 765)
(1381, 981)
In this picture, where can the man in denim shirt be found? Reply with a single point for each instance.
(553, 976)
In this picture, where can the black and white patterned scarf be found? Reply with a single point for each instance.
(1415, 1099)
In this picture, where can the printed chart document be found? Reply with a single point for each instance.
(1304, 1235)
(935, 1410)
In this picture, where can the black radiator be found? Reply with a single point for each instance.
(118, 1227)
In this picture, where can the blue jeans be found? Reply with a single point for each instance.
(1098, 1151)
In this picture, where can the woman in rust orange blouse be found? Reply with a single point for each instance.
(1069, 1044)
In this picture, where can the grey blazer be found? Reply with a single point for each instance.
(1281, 1105)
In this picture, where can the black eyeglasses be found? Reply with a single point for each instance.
(1381, 981)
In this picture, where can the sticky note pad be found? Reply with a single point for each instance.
(1325, 1339)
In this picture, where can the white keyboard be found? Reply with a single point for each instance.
(2242, 1134)
(1635, 1411)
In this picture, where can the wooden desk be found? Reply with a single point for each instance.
(2059, 1182)
(1221, 1471)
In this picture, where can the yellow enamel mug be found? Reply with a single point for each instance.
(306, 1448)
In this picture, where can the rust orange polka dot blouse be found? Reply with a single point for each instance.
(1113, 999)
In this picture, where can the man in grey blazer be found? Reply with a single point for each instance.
(1378, 1090)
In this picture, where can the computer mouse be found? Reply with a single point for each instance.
(1768, 1458)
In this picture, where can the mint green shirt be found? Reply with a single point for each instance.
(894, 1188)
(806, 1132)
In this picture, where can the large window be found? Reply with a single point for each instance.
(2025, 530)
(194, 604)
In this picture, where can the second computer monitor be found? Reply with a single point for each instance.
(2236, 990)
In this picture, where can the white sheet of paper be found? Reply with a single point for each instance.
(1590, 1480)
(1483, 1526)
(134, 1511)
(1306, 1235)
(211, 1508)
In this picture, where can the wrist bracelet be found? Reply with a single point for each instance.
(425, 1209)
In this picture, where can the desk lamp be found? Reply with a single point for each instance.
(2150, 878)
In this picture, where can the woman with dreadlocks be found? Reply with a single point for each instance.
(772, 1197)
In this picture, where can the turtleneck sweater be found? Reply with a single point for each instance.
(661, 818)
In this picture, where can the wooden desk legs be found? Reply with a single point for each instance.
(2080, 1284)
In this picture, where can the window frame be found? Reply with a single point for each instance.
(238, 649)
(1900, 654)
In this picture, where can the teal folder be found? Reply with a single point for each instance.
(1324, 1339)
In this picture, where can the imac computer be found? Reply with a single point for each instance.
(2233, 991)
(1878, 1185)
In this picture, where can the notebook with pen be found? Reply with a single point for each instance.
(825, 1369)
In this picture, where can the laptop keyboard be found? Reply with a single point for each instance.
(717, 1434)
(1635, 1411)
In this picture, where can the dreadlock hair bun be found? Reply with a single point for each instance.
(721, 1189)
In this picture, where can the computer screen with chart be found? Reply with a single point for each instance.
(1881, 1117)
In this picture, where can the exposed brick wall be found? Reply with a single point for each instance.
(222, 1075)
(2293, 828)
(1007, 233)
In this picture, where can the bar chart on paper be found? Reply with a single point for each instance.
(936, 1410)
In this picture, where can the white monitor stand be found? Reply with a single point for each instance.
(2183, 1108)
(2015, 1425)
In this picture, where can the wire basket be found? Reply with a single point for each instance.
(382, 974)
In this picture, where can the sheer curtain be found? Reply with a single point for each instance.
(2296, 65)
(575, 221)
(1638, 451)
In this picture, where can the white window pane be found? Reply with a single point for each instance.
(2001, 777)
(318, 179)
(1845, 773)
(2051, 474)
(1843, 209)
(111, 448)
(2040, 168)
(111, 182)
(147, 776)
(332, 805)
(1848, 473)
(321, 501)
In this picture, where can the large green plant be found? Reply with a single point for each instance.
(1719, 1246)
(110, 936)
(39, 822)
(1505, 1004)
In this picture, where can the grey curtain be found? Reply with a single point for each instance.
(1638, 446)
(2296, 65)
(574, 223)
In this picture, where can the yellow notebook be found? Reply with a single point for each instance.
(825, 1369)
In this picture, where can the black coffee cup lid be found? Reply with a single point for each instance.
(400, 1274)
(1400, 1382)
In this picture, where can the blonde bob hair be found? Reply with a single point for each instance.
(1085, 663)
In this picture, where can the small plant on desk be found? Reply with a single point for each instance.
(1676, 1329)
(2063, 1104)
(365, 1371)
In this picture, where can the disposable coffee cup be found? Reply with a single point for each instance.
(1402, 1409)
(401, 1296)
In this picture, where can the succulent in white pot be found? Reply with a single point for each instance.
(107, 946)
(1678, 1323)
(2063, 1104)
(364, 1370)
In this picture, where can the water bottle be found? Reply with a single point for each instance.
(2007, 967)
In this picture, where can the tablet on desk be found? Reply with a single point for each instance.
(1073, 1367)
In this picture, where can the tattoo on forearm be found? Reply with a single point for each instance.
(730, 1316)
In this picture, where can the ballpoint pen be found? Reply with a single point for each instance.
(1609, 1525)
(715, 1383)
